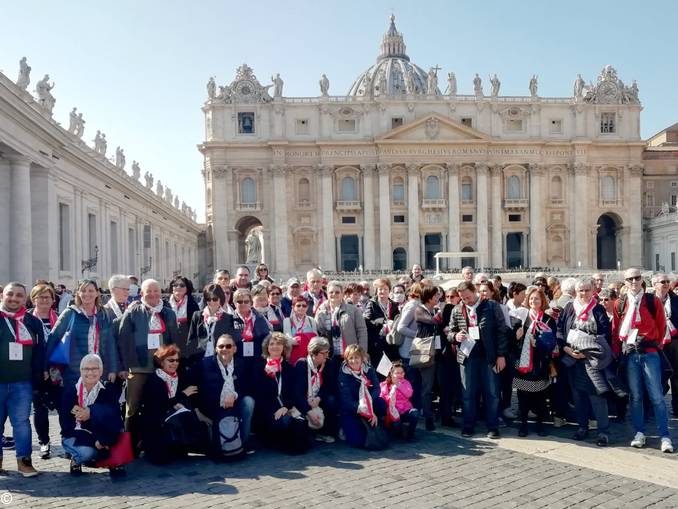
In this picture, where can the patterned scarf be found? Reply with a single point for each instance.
(179, 308)
(315, 378)
(582, 310)
(365, 408)
(632, 315)
(526, 361)
(53, 317)
(156, 325)
(20, 332)
(210, 321)
(92, 332)
(273, 367)
(248, 326)
(472, 314)
(171, 381)
(229, 386)
(86, 398)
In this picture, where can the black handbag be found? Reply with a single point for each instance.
(376, 438)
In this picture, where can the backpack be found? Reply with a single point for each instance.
(229, 439)
(393, 337)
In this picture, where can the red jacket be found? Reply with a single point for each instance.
(651, 328)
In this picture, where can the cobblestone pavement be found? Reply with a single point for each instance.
(441, 469)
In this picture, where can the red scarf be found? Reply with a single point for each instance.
(179, 308)
(536, 319)
(248, 327)
(584, 315)
(273, 367)
(21, 333)
(53, 317)
(156, 325)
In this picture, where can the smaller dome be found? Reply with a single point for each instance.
(393, 74)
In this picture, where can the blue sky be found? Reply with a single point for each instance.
(137, 69)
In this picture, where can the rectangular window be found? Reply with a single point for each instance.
(246, 122)
(467, 121)
(674, 183)
(302, 126)
(399, 219)
(64, 237)
(114, 247)
(674, 200)
(346, 125)
(514, 125)
(467, 218)
(607, 123)
(515, 218)
(396, 122)
(92, 234)
(347, 219)
(466, 191)
(556, 127)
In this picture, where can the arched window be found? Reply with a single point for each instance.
(398, 190)
(348, 191)
(304, 191)
(432, 191)
(608, 188)
(513, 191)
(470, 261)
(466, 189)
(557, 188)
(248, 191)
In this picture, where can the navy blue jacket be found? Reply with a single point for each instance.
(266, 390)
(210, 383)
(349, 388)
(328, 387)
(234, 327)
(104, 424)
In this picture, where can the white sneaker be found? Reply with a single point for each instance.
(666, 445)
(593, 424)
(510, 413)
(559, 422)
(639, 441)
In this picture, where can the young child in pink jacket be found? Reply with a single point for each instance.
(396, 391)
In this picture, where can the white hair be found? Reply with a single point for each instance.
(116, 280)
(569, 286)
(91, 358)
(479, 277)
(659, 276)
(313, 273)
(147, 283)
(583, 281)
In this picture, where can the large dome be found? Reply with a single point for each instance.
(393, 74)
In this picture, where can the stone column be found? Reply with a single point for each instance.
(280, 226)
(581, 219)
(631, 255)
(5, 254)
(413, 209)
(481, 214)
(369, 243)
(497, 217)
(328, 252)
(537, 223)
(20, 236)
(219, 206)
(453, 213)
(385, 251)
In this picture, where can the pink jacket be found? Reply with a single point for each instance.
(403, 395)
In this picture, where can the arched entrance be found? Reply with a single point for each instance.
(607, 240)
(468, 262)
(249, 230)
(399, 259)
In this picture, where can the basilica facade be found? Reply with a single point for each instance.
(403, 166)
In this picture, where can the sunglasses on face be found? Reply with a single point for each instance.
(664, 282)
(213, 299)
(173, 360)
(242, 302)
(275, 293)
(634, 278)
(300, 305)
(227, 346)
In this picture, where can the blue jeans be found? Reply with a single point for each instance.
(15, 403)
(644, 370)
(245, 407)
(80, 453)
(476, 376)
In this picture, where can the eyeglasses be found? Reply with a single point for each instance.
(172, 360)
(275, 293)
(634, 278)
(664, 282)
(227, 346)
(90, 369)
(126, 288)
(301, 305)
(180, 285)
(242, 302)
(213, 299)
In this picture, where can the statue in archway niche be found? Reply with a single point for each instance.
(252, 247)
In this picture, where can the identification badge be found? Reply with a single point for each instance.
(437, 343)
(474, 333)
(632, 337)
(153, 341)
(16, 352)
(248, 349)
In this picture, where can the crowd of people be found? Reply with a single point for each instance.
(248, 363)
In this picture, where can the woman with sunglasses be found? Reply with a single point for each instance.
(261, 274)
(247, 327)
(169, 427)
(379, 314)
(90, 331)
(300, 328)
(260, 300)
(207, 325)
(184, 306)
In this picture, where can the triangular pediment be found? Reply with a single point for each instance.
(431, 128)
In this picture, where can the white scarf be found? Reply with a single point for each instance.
(227, 375)
(155, 324)
(19, 331)
(315, 378)
(365, 408)
(179, 308)
(210, 322)
(86, 398)
(632, 315)
(92, 332)
(472, 315)
(171, 381)
(112, 304)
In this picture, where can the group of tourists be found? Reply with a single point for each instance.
(248, 363)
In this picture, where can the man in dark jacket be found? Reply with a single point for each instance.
(479, 328)
(662, 284)
(22, 351)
